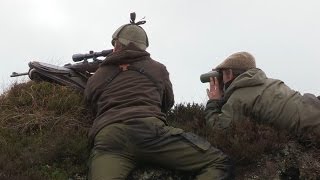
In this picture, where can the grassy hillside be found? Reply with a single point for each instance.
(43, 135)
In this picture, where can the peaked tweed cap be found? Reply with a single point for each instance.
(239, 60)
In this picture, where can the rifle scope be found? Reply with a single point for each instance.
(91, 54)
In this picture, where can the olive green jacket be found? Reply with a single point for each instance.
(253, 95)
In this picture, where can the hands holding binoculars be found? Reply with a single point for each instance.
(214, 92)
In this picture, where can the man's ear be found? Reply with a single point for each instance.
(229, 74)
(117, 46)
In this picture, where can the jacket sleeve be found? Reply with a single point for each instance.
(167, 96)
(89, 97)
(218, 114)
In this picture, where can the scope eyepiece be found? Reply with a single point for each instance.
(91, 54)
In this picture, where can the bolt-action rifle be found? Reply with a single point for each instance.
(74, 75)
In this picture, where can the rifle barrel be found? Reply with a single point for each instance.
(15, 74)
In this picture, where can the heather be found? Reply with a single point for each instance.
(43, 135)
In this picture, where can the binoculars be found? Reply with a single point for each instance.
(91, 54)
(204, 78)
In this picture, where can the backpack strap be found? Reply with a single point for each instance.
(143, 72)
(126, 67)
(111, 78)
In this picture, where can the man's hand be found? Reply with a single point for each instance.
(214, 92)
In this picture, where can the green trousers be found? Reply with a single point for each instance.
(118, 148)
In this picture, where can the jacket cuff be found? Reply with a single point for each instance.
(215, 104)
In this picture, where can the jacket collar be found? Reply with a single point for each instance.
(129, 55)
(252, 77)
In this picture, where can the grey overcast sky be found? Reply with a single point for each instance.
(189, 37)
